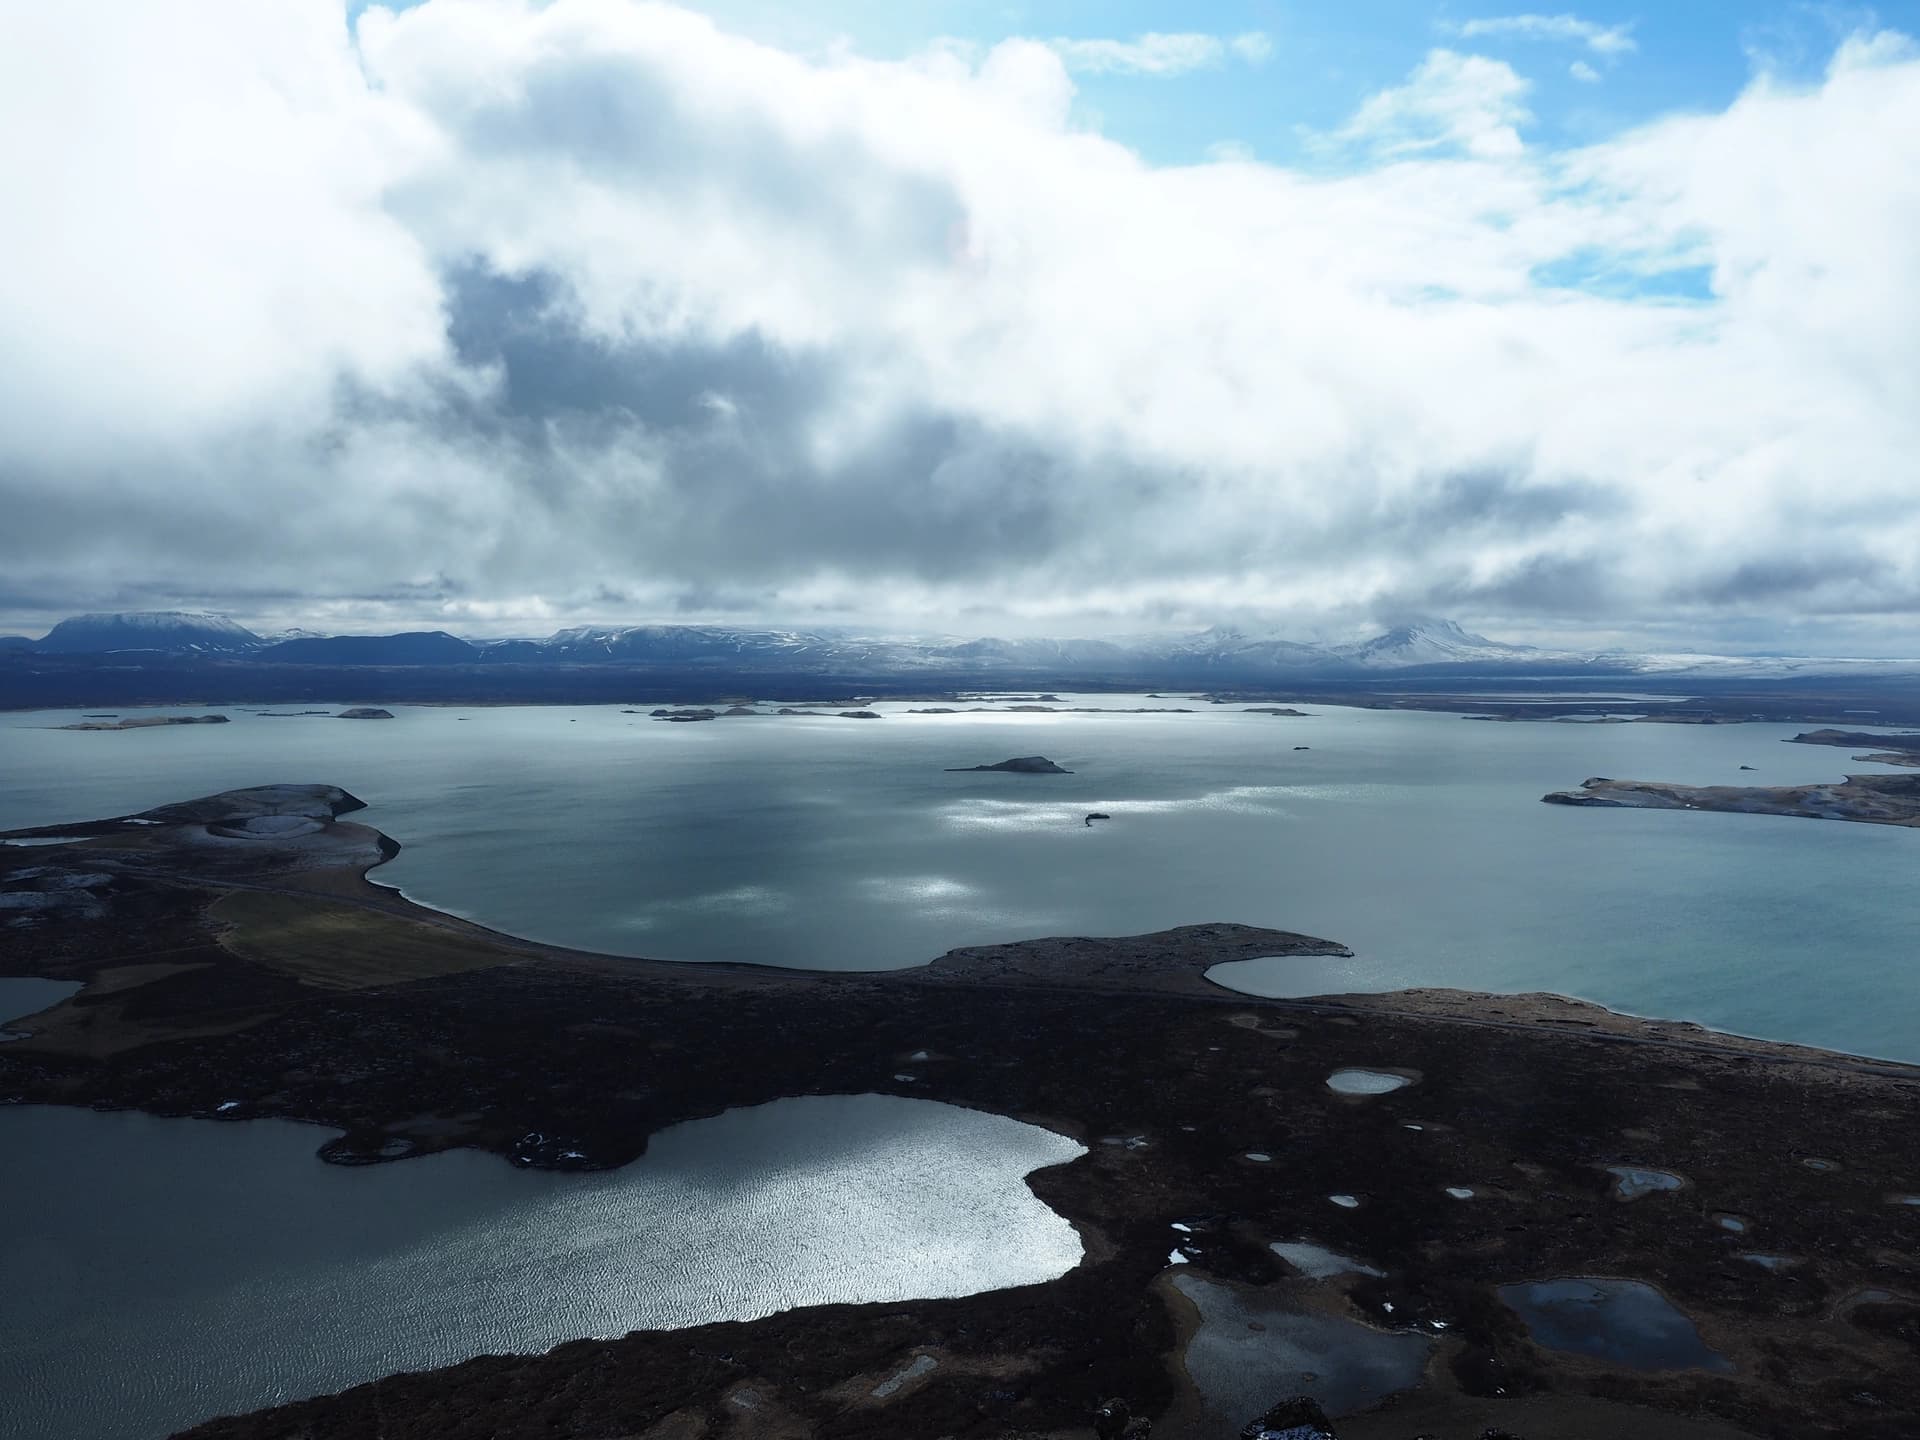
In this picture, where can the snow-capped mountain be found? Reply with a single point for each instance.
(595, 643)
(177, 632)
(1436, 642)
(1224, 655)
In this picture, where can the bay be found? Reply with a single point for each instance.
(1418, 839)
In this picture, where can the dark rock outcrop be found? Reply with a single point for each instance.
(1115, 1420)
(364, 712)
(1300, 1418)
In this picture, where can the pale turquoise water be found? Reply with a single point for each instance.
(1418, 839)
(159, 1272)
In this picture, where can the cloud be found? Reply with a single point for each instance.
(1451, 100)
(1607, 40)
(1151, 54)
(1584, 73)
(497, 315)
(1254, 46)
(1160, 54)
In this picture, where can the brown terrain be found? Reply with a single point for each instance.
(232, 947)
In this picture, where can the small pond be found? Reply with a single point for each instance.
(1631, 1182)
(1250, 1351)
(1622, 1322)
(1317, 1262)
(1366, 1082)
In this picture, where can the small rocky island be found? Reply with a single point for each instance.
(1019, 765)
(364, 712)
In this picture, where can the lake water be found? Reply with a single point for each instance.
(159, 1272)
(20, 998)
(1417, 839)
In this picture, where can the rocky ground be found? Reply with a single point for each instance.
(231, 948)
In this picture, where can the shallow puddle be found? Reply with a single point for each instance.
(1345, 1202)
(1366, 1082)
(1770, 1262)
(1240, 1370)
(920, 1365)
(1317, 1262)
(1622, 1322)
(1631, 1182)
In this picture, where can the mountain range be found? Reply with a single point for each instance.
(1220, 655)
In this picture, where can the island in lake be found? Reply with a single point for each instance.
(1019, 765)
(1413, 1186)
(147, 722)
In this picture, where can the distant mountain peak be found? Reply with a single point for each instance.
(173, 631)
(1426, 640)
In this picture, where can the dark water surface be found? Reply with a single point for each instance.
(159, 1272)
(1418, 839)
(21, 998)
(1623, 1322)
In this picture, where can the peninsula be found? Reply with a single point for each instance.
(146, 722)
(1873, 799)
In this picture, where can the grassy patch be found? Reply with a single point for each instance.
(344, 947)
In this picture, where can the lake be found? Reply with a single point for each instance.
(160, 1272)
(1418, 839)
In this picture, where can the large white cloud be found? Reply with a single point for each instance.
(515, 310)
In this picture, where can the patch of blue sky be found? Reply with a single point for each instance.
(1614, 276)
(1320, 60)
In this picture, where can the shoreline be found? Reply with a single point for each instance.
(1545, 1011)
(264, 966)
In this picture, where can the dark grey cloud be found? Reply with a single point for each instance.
(530, 327)
(1826, 575)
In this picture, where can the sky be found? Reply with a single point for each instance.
(1581, 326)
